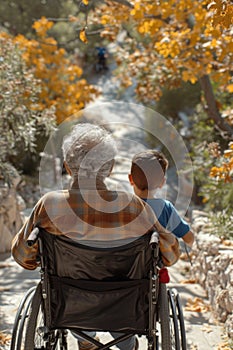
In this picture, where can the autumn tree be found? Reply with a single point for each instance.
(62, 85)
(20, 121)
(170, 41)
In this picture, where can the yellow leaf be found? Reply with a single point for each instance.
(207, 329)
(82, 36)
(42, 26)
(230, 88)
(137, 12)
(85, 2)
(105, 19)
(4, 338)
(197, 305)
(185, 76)
(212, 6)
(189, 281)
(228, 153)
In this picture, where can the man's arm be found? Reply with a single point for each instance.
(24, 255)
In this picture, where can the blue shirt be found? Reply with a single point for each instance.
(168, 216)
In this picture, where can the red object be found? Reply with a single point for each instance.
(164, 275)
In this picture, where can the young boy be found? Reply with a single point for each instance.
(148, 172)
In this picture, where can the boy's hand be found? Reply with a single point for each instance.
(188, 238)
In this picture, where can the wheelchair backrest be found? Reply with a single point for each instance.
(67, 258)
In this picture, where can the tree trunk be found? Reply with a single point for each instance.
(213, 111)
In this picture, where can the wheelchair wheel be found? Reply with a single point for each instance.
(174, 328)
(180, 317)
(164, 320)
(38, 336)
(21, 317)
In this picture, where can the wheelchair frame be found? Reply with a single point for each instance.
(166, 328)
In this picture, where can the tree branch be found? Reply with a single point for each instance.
(124, 2)
(213, 111)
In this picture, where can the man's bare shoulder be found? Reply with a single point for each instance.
(54, 195)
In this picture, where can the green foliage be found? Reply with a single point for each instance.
(20, 124)
(203, 133)
(222, 223)
(173, 101)
(19, 16)
(215, 195)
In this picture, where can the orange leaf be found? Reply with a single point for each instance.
(230, 88)
(197, 305)
(4, 338)
(189, 281)
(207, 329)
(82, 36)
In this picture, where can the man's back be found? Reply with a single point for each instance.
(86, 215)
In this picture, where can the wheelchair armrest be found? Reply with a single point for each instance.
(33, 237)
(154, 241)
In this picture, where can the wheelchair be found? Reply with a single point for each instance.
(85, 288)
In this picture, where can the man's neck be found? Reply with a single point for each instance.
(84, 183)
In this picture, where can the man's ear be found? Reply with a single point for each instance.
(110, 170)
(162, 182)
(131, 179)
(67, 168)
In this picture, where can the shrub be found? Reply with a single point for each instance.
(20, 122)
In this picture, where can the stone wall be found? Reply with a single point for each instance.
(213, 269)
(11, 207)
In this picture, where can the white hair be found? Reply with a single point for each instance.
(89, 150)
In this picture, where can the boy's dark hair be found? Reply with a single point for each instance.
(148, 169)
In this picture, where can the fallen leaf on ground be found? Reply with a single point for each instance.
(207, 329)
(224, 346)
(189, 281)
(184, 256)
(4, 289)
(197, 305)
(193, 347)
(4, 338)
(227, 243)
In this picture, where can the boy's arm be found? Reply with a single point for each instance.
(188, 238)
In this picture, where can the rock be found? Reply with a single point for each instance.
(213, 269)
(20, 203)
(11, 206)
(228, 326)
(5, 239)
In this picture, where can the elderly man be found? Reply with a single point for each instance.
(88, 212)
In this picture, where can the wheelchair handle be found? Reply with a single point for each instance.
(32, 238)
(154, 241)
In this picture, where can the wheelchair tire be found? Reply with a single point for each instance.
(37, 335)
(180, 317)
(20, 320)
(174, 327)
(163, 314)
